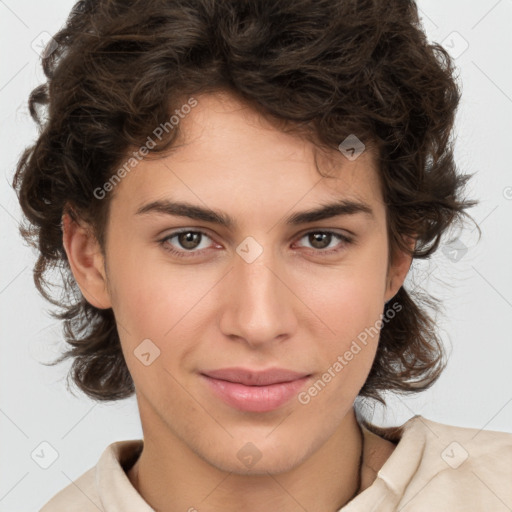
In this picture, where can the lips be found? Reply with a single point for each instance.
(254, 391)
(255, 378)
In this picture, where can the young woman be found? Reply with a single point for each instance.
(235, 191)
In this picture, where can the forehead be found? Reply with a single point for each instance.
(230, 156)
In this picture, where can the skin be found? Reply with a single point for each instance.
(293, 307)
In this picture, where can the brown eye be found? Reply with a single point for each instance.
(189, 239)
(320, 240)
(186, 243)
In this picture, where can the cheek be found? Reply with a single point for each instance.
(156, 301)
(351, 298)
(354, 344)
(348, 354)
(147, 295)
(350, 303)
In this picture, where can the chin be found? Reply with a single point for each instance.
(272, 465)
(259, 457)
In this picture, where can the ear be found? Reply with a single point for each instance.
(399, 265)
(86, 261)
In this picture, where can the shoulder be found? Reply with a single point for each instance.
(456, 467)
(81, 495)
(459, 445)
(105, 482)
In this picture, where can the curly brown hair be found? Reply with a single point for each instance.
(327, 68)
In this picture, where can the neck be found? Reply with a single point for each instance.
(171, 477)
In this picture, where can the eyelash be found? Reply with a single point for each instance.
(191, 254)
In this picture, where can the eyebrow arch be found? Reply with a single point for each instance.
(183, 209)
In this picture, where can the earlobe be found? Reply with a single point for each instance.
(86, 261)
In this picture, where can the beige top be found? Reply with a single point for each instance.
(434, 467)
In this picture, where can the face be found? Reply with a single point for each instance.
(205, 308)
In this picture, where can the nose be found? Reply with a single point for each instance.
(259, 306)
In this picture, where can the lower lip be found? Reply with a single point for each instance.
(255, 398)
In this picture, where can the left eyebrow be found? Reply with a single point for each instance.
(183, 209)
(329, 210)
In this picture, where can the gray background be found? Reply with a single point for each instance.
(474, 279)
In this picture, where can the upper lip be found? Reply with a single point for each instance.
(255, 377)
